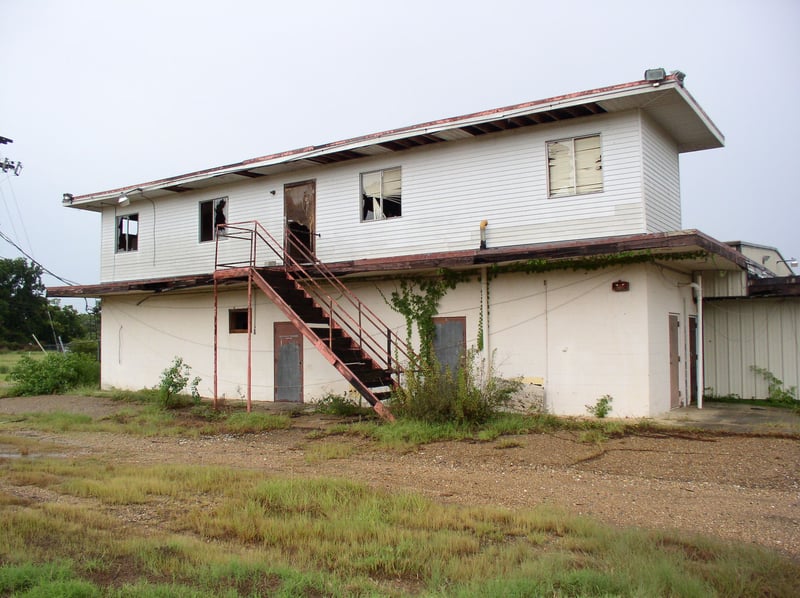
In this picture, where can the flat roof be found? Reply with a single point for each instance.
(666, 101)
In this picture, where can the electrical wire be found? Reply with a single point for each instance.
(33, 260)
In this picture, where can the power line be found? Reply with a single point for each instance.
(33, 260)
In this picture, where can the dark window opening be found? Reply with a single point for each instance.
(128, 232)
(381, 194)
(213, 214)
(238, 321)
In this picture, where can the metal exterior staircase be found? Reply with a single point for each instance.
(364, 350)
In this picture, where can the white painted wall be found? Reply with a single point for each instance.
(568, 329)
(668, 293)
(448, 189)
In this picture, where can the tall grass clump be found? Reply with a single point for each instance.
(471, 395)
(55, 373)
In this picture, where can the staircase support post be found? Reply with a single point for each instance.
(216, 344)
(250, 341)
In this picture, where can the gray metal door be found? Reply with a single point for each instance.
(450, 342)
(288, 363)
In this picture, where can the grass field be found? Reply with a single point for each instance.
(96, 527)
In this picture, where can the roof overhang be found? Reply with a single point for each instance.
(687, 251)
(666, 102)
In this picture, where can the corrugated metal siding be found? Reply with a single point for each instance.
(447, 190)
(741, 333)
(662, 195)
(724, 283)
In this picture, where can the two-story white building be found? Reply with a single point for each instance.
(558, 220)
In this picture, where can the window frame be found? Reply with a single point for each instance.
(131, 240)
(575, 188)
(234, 314)
(379, 215)
(202, 220)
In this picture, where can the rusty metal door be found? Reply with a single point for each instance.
(288, 363)
(300, 207)
(674, 363)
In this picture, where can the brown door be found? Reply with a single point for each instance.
(693, 365)
(674, 363)
(300, 207)
(288, 363)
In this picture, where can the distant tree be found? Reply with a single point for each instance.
(66, 322)
(23, 305)
(25, 310)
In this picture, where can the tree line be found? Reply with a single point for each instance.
(26, 315)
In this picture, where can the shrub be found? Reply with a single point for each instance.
(85, 346)
(174, 380)
(56, 373)
(332, 404)
(602, 407)
(471, 395)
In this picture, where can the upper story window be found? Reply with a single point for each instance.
(574, 166)
(128, 232)
(213, 212)
(380, 194)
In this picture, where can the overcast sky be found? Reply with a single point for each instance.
(100, 94)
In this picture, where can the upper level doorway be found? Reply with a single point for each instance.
(299, 208)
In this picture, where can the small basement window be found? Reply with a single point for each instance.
(128, 232)
(574, 166)
(381, 194)
(213, 213)
(238, 321)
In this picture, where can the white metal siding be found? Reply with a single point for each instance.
(661, 179)
(753, 332)
(447, 190)
(724, 283)
(169, 238)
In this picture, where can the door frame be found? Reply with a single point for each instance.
(301, 220)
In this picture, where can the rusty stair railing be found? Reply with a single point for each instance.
(345, 315)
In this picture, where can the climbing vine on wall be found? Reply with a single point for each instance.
(417, 300)
(593, 262)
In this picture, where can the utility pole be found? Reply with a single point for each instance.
(6, 164)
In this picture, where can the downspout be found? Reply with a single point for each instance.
(698, 287)
(485, 311)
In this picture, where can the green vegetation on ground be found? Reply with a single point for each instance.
(235, 532)
(217, 531)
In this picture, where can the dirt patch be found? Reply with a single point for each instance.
(736, 487)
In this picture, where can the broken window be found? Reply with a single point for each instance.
(380, 194)
(128, 232)
(574, 166)
(213, 214)
(238, 320)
